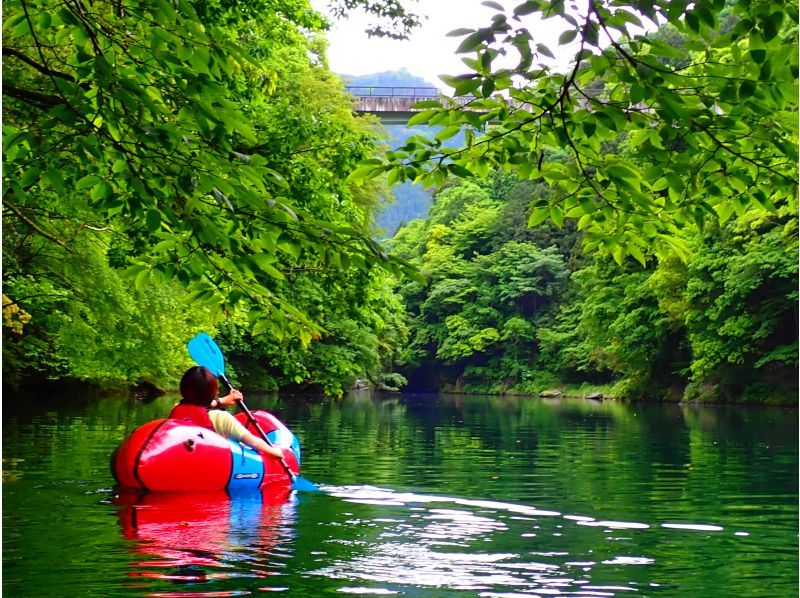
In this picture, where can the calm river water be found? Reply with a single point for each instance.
(424, 496)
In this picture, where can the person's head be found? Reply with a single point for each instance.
(199, 386)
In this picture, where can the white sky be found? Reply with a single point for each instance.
(429, 53)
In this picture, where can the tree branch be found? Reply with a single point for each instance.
(41, 68)
(40, 100)
(34, 226)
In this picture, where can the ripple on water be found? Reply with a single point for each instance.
(613, 524)
(440, 549)
(370, 591)
(434, 541)
(693, 526)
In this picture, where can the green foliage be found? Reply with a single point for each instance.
(726, 321)
(613, 323)
(87, 322)
(502, 315)
(170, 167)
(672, 139)
(671, 118)
(742, 296)
(479, 310)
(363, 329)
(171, 124)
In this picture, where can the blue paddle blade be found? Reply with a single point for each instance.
(205, 352)
(304, 485)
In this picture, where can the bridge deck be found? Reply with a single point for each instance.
(393, 104)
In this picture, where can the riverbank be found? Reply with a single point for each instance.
(702, 394)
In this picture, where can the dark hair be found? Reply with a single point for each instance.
(199, 386)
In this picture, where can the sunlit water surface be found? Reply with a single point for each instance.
(422, 496)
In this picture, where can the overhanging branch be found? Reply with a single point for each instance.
(35, 227)
(39, 67)
(40, 100)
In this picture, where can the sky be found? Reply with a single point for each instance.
(428, 54)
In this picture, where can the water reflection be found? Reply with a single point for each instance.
(467, 496)
(196, 537)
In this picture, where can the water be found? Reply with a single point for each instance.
(424, 496)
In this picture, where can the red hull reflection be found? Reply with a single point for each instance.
(181, 535)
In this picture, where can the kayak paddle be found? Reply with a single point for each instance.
(206, 353)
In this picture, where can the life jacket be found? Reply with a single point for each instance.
(194, 414)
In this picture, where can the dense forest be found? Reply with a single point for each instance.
(509, 308)
(171, 168)
(630, 224)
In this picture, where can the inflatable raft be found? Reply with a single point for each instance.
(170, 455)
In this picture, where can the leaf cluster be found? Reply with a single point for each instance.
(164, 121)
(672, 116)
(171, 166)
(483, 298)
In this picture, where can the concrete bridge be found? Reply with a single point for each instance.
(393, 104)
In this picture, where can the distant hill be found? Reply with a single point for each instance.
(401, 78)
(409, 201)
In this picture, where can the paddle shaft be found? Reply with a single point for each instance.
(257, 426)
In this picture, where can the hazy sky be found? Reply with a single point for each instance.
(428, 54)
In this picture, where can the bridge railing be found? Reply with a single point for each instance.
(396, 105)
(392, 92)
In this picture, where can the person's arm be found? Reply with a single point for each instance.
(261, 446)
(247, 437)
(230, 399)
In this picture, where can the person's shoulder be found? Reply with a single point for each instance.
(221, 415)
(226, 424)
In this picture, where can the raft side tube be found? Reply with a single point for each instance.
(277, 433)
(185, 457)
(126, 458)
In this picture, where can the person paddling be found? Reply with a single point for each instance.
(200, 406)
